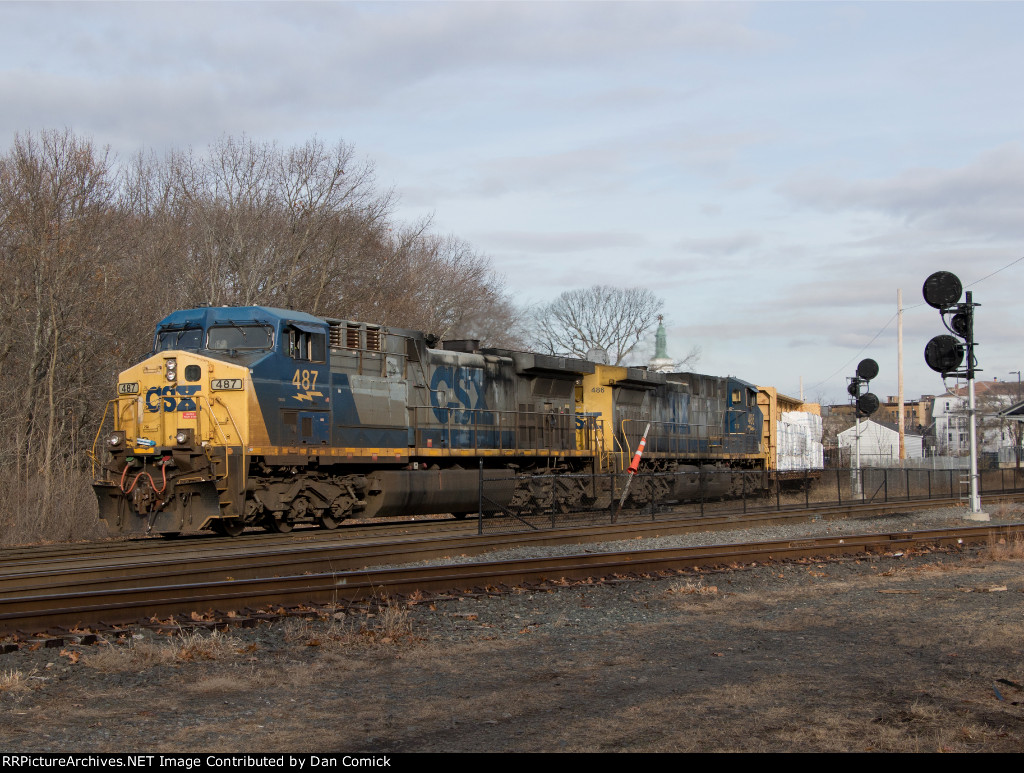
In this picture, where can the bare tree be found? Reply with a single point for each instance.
(61, 252)
(272, 226)
(611, 318)
(413, 279)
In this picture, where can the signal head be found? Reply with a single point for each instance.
(867, 369)
(942, 289)
(944, 354)
(867, 404)
(960, 322)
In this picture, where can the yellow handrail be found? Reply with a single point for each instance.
(93, 459)
(224, 438)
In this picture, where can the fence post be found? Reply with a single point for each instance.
(654, 491)
(554, 486)
(611, 487)
(839, 485)
(807, 490)
(480, 502)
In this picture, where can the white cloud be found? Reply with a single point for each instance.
(984, 197)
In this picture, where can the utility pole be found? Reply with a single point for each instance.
(1015, 433)
(899, 374)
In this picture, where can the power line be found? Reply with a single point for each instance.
(1018, 260)
(846, 364)
(890, 321)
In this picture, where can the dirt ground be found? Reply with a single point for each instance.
(906, 654)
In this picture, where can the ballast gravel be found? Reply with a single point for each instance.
(880, 653)
(878, 524)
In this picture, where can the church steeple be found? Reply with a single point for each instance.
(660, 345)
(661, 362)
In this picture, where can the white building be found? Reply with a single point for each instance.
(880, 443)
(952, 422)
(952, 426)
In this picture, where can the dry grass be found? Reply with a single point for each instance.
(141, 653)
(62, 509)
(226, 683)
(1003, 549)
(691, 588)
(200, 646)
(394, 622)
(389, 623)
(13, 681)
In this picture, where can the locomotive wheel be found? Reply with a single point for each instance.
(327, 522)
(278, 523)
(229, 527)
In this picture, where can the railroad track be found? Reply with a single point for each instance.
(49, 592)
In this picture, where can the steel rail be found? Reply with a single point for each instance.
(280, 557)
(251, 560)
(130, 604)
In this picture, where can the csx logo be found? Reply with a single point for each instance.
(171, 398)
(458, 381)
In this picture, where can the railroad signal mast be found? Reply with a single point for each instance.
(953, 355)
(866, 404)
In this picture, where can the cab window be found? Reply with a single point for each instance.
(307, 346)
(179, 338)
(224, 337)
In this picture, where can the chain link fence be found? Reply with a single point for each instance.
(534, 502)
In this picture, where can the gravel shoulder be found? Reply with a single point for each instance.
(887, 653)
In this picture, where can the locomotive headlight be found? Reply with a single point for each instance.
(171, 369)
(116, 439)
(184, 437)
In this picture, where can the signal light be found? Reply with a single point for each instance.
(942, 289)
(867, 369)
(867, 403)
(961, 324)
(944, 354)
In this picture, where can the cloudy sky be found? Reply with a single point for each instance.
(775, 171)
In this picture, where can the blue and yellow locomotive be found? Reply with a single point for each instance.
(261, 416)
